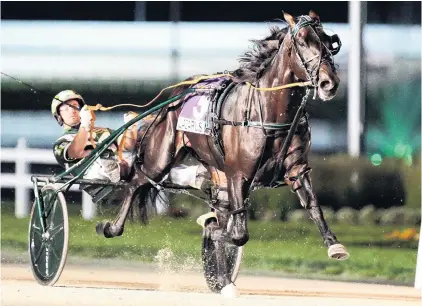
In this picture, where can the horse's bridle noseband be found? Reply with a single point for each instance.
(312, 72)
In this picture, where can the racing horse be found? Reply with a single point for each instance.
(263, 137)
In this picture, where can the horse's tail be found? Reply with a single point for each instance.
(147, 201)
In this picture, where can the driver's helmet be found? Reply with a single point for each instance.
(63, 97)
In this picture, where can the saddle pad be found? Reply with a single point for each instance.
(194, 115)
(195, 110)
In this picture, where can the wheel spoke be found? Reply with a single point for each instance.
(39, 252)
(37, 230)
(54, 252)
(56, 230)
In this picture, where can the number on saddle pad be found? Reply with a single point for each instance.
(193, 117)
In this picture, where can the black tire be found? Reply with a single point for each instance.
(47, 253)
(209, 260)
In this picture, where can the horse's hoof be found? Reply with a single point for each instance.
(240, 240)
(229, 291)
(338, 251)
(108, 230)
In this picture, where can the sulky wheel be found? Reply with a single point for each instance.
(48, 248)
(209, 259)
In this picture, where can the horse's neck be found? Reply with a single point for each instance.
(278, 105)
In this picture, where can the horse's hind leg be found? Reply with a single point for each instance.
(161, 150)
(297, 177)
(116, 228)
(139, 185)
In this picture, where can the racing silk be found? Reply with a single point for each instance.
(62, 144)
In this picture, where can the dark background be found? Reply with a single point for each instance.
(408, 12)
(212, 11)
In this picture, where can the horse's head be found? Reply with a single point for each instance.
(312, 52)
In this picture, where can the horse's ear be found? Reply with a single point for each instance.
(290, 20)
(313, 15)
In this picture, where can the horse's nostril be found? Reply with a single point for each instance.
(326, 85)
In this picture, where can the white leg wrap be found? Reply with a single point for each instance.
(184, 175)
(230, 291)
(203, 219)
(338, 251)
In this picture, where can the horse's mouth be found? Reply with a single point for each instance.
(328, 83)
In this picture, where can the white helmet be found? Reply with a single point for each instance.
(62, 97)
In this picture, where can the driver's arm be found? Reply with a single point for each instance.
(76, 149)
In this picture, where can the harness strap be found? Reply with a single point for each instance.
(257, 124)
(298, 179)
(287, 141)
(300, 84)
(304, 21)
(237, 211)
(220, 95)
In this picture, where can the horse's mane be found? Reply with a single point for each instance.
(253, 63)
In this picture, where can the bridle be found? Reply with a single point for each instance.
(311, 71)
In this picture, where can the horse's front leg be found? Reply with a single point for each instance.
(218, 234)
(238, 187)
(239, 235)
(232, 196)
(300, 182)
(217, 231)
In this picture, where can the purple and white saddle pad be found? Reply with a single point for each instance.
(195, 109)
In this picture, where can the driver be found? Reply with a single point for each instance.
(68, 109)
(79, 138)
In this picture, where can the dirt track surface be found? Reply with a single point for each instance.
(82, 285)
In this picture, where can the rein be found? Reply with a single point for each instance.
(273, 126)
(195, 81)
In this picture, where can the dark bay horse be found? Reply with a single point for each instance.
(257, 149)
